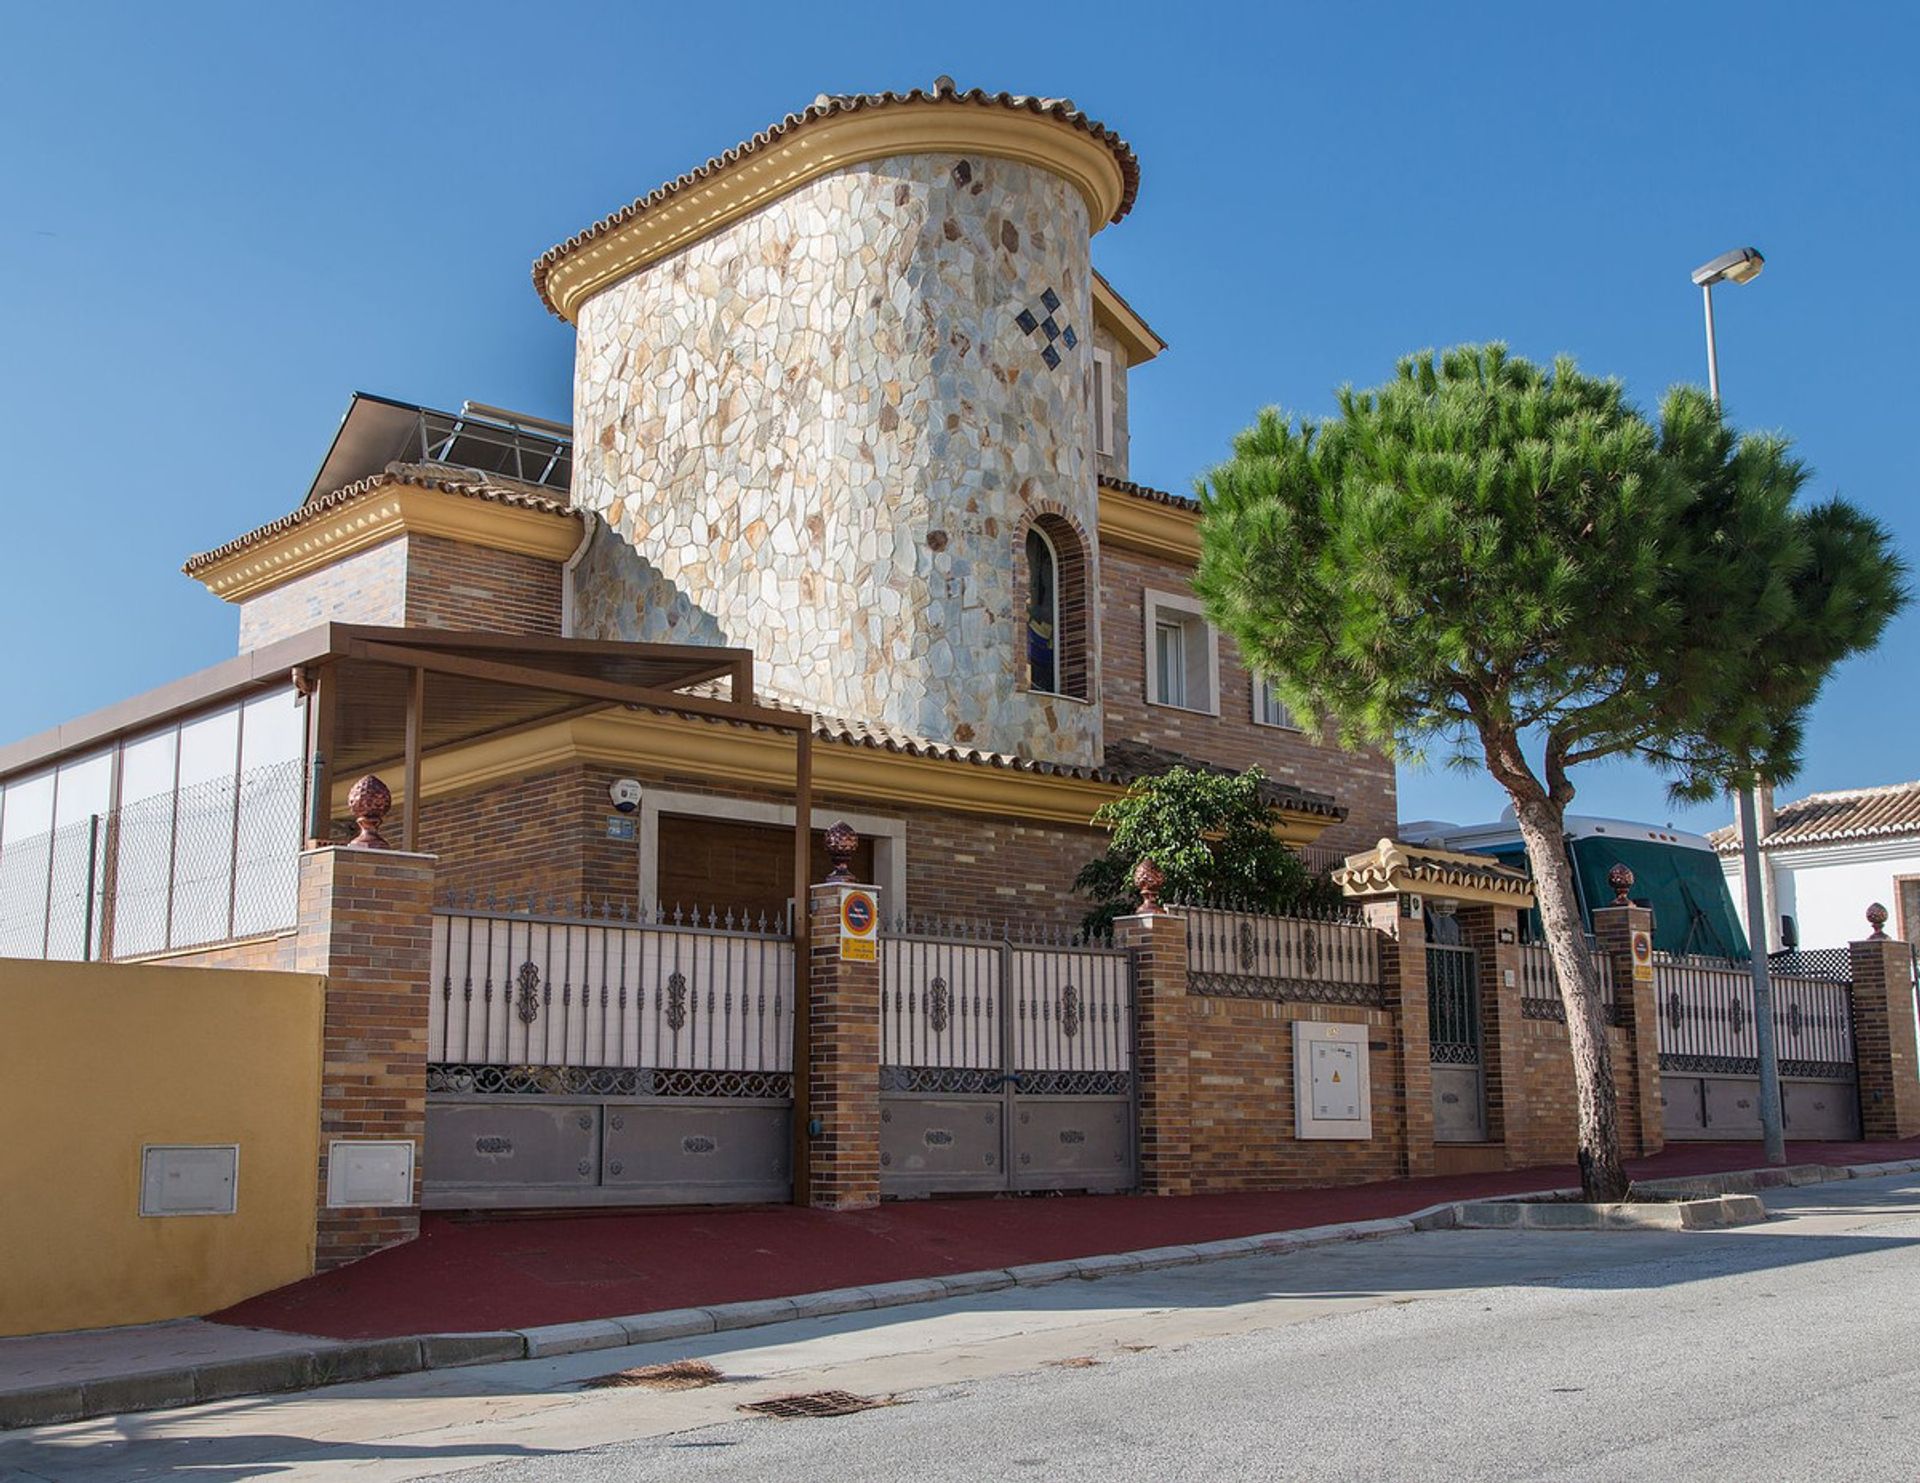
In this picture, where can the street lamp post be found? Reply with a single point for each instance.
(1743, 265)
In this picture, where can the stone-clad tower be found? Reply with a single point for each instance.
(827, 383)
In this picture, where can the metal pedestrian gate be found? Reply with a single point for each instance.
(608, 1059)
(1005, 1065)
(1453, 1041)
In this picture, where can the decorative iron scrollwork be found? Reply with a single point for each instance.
(1245, 936)
(676, 1001)
(1309, 952)
(698, 1143)
(1736, 1015)
(529, 1000)
(1676, 1015)
(938, 1000)
(1072, 1135)
(938, 1137)
(1070, 1012)
(492, 1145)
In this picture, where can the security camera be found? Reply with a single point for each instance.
(625, 794)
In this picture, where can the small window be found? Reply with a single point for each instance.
(1043, 613)
(1102, 401)
(1269, 709)
(1182, 659)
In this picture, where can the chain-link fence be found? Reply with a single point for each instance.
(204, 864)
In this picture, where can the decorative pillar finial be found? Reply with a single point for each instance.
(1877, 919)
(1148, 878)
(842, 841)
(1621, 879)
(369, 802)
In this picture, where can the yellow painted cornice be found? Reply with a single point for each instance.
(1148, 526)
(653, 745)
(1136, 337)
(379, 516)
(764, 175)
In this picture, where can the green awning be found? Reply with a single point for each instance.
(1692, 911)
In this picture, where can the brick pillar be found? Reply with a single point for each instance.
(1159, 944)
(366, 922)
(1493, 932)
(843, 1158)
(1403, 967)
(1883, 1037)
(1643, 1118)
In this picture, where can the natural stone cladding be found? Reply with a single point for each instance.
(822, 429)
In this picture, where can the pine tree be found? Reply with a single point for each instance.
(1500, 558)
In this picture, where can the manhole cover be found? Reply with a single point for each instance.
(682, 1374)
(816, 1403)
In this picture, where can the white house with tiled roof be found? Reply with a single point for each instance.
(1830, 855)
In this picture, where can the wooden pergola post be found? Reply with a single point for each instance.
(416, 715)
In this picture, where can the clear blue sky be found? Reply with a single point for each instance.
(218, 221)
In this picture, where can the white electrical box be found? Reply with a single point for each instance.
(369, 1172)
(1332, 1085)
(189, 1178)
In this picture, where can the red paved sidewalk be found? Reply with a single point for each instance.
(514, 1271)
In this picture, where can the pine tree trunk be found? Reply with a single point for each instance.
(1603, 1173)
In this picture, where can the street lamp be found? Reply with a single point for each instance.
(1743, 265)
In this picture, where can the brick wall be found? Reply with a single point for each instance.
(1241, 1099)
(276, 953)
(1543, 1127)
(367, 587)
(365, 922)
(1362, 781)
(542, 836)
(417, 580)
(454, 584)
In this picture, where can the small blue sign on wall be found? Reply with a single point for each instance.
(620, 827)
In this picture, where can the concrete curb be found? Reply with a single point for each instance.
(335, 1364)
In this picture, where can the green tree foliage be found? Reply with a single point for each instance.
(1484, 552)
(1211, 835)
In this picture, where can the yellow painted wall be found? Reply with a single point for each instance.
(98, 1059)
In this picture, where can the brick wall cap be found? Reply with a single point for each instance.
(1393, 868)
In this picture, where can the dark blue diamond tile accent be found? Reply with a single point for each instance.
(1070, 337)
(1028, 324)
(1051, 300)
(1051, 357)
(1052, 329)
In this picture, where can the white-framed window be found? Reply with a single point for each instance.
(1269, 709)
(1183, 661)
(1043, 612)
(1103, 401)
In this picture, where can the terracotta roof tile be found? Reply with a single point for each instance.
(829, 105)
(1825, 818)
(468, 483)
(1147, 492)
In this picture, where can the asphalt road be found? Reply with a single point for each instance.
(1790, 1350)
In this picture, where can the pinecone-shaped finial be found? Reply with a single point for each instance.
(842, 842)
(1148, 879)
(369, 801)
(1877, 919)
(1621, 879)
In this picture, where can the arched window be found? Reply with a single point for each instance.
(1043, 612)
(1054, 620)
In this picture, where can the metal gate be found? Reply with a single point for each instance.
(1709, 1054)
(1005, 1065)
(1453, 1045)
(607, 1060)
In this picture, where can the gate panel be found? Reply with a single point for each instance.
(575, 1060)
(1709, 1050)
(1005, 1066)
(1453, 1045)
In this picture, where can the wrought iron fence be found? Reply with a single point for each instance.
(1540, 985)
(1707, 1020)
(1325, 959)
(199, 865)
(671, 1003)
(964, 1009)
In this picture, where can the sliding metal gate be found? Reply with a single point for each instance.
(1006, 1065)
(1453, 1040)
(604, 1060)
(1709, 1054)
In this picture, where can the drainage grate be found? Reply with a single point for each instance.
(816, 1403)
(682, 1374)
